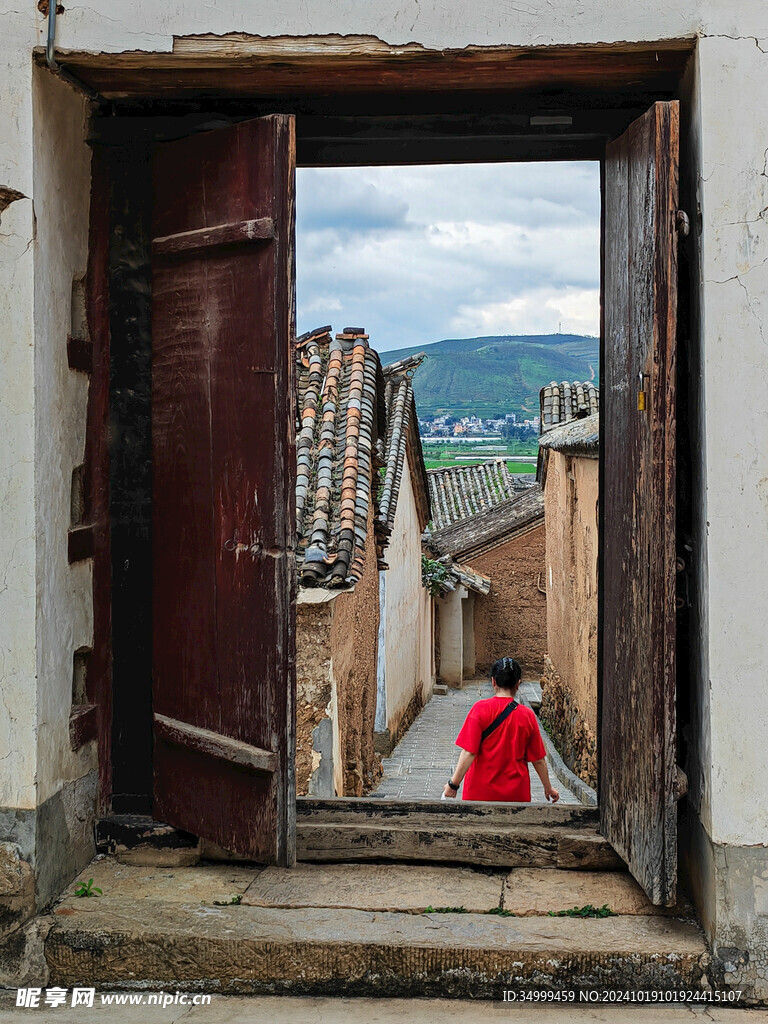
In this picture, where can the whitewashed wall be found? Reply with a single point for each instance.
(407, 633)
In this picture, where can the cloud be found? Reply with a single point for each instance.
(417, 254)
(543, 311)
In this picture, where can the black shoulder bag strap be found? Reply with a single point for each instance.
(498, 720)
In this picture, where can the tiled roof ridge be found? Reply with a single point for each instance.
(408, 365)
(481, 532)
(569, 400)
(401, 413)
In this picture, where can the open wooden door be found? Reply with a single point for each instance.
(638, 810)
(223, 485)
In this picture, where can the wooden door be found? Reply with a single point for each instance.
(223, 472)
(638, 811)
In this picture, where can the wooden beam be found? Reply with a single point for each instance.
(242, 65)
(205, 741)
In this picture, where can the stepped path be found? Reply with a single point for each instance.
(425, 757)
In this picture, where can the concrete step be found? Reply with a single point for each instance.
(178, 929)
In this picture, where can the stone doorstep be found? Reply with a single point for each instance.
(157, 928)
(125, 940)
(411, 889)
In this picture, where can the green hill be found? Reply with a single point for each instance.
(494, 376)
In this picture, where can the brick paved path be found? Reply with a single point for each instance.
(425, 757)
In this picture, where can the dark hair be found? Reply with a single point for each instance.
(507, 673)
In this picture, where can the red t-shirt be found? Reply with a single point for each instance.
(500, 770)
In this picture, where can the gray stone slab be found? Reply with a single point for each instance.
(241, 949)
(529, 891)
(395, 887)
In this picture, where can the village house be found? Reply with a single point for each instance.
(364, 624)
(147, 605)
(486, 523)
(568, 475)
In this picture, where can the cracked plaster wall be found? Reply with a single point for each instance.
(47, 792)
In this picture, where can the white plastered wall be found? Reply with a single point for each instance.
(62, 162)
(408, 613)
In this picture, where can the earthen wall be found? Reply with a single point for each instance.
(511, 621)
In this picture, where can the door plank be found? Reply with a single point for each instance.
(223, 471)
(638, 812)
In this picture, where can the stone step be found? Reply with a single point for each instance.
(487, 834)
(177, 929)
(522, 892)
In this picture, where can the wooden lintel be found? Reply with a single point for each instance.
(214, 744)
(242, 65)
(188, 243)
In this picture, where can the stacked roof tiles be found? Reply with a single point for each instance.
(341, 417)
(561, 403)
(401, 413)
(462, 491)
(470, 537)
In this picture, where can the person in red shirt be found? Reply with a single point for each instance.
(497, 740)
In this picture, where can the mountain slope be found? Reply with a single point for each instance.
(497, 375)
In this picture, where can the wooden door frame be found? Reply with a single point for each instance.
(629, 80)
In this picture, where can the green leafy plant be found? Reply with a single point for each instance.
(501, 912)
(433, 575)
(233, 901)
(446, 910)
(87, 889)
(586, 911)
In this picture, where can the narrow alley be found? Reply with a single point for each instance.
(426, 755)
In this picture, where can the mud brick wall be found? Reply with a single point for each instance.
(511, 621)
(336, 651)
(569, 701)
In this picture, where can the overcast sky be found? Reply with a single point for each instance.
(418, 254)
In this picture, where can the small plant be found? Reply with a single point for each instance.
(87, 889)
(446, 910)
(433, 575)
(233, 901)
(586, 911)
(501, 912)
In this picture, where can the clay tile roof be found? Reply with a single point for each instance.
(561, 403)
(462, 575)
(463, 491)
(402, 437)
(339, 383)
(577, 437)
(486, 530)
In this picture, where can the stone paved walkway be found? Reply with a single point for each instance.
(425, 757)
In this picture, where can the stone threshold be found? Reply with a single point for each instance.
(199, 929)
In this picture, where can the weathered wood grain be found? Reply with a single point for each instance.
(425, 813)
(223, 481)
(243, 65)
(205, 741)
(237, 233)
(638, 812)
(454, 840)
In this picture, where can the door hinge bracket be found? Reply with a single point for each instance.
(683, 223)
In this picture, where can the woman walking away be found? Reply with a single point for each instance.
(497, 741)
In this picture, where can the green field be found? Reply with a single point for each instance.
(441, 455)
